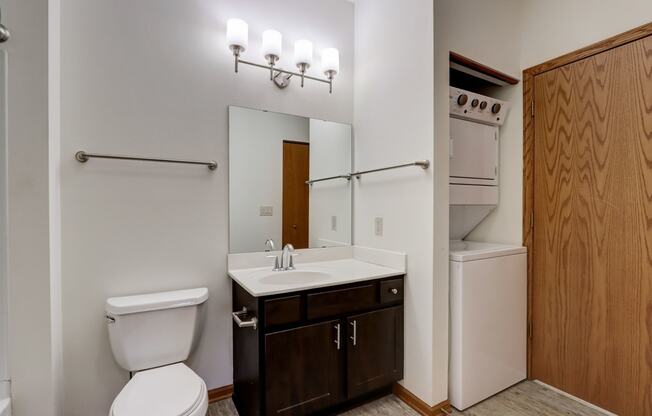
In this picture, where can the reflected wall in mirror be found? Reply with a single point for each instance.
(271, 157)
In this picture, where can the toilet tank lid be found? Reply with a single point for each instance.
(156, 301)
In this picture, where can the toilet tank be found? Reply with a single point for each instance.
(155, 329)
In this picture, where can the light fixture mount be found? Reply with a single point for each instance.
(281, 80)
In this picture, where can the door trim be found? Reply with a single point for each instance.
(529, 148)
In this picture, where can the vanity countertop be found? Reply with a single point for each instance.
(321, 268)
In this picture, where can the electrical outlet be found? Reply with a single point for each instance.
(266, 211)
(334, 223)
(378, 226)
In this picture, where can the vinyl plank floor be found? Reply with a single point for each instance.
(524, 399)
(529, 398)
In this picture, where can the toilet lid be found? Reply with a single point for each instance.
(172, 390)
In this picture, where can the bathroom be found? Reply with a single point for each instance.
(156, 79)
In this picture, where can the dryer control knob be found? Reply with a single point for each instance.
(496, 108)
(462, 99)
(475, 102)
(483, 105)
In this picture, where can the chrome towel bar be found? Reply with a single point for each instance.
(83, 157)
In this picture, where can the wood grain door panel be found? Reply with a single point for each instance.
(591, 283)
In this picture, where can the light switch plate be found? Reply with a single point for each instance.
(334, 223)
(378, 226)
(266, 211)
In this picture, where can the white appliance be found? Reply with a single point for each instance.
(151, 335)
(488, 301)
(474, 133)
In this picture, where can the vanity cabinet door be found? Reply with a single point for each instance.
(374, 350)
(303, 368)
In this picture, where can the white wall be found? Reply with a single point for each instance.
(256, 174)
(394, 124)
(330, 155)
(555, 27)
(161, 85)
(32, 332)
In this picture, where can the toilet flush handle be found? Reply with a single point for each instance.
(109, 319)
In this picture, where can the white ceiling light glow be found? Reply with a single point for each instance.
(237, 36)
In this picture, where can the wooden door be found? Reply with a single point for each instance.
(591, 284)
(296, 170)
(374, 350)
(302, 369)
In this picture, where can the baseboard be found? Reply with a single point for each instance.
(220, 393)
(577, 399)
(443, 408)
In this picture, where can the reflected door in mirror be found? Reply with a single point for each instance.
(296, 171)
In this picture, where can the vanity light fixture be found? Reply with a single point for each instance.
(237, 35)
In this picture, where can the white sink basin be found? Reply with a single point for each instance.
(291, 277)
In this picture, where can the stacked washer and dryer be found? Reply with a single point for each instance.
(488, 282)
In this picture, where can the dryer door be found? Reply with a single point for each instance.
(473, 153)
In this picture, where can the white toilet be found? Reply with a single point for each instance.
(151, 335)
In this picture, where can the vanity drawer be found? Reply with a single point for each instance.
(391, 290)
(335, 302)
(284, 310)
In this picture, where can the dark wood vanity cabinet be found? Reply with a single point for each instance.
(315, 351)
(302, 369)
(375, 354)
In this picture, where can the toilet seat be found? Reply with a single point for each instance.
(172, 390)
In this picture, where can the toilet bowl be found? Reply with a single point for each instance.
(172, 390)
(151, 335)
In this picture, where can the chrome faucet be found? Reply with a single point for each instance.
(286, 257)
(269, 247)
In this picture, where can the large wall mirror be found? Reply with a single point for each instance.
(272, 158)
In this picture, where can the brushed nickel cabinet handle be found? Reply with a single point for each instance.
(337, 340)
(354, 338)
(394, 291)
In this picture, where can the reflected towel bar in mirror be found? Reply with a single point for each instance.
(83, 157)
(347, 177)
(424, 164)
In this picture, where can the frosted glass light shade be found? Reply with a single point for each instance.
(303, 52)
(237, 33)
(330, 60)
(272, 43)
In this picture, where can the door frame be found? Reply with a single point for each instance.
(529, 146)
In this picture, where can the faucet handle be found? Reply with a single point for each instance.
(276, 266)
(291, 263)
